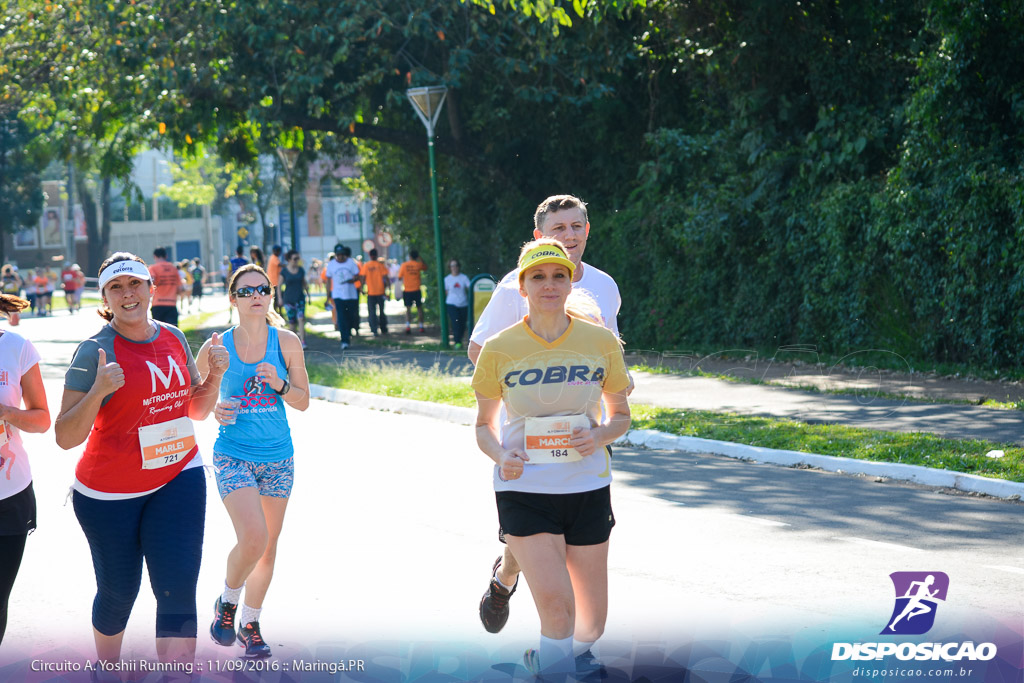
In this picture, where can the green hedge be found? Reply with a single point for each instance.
(892, 220)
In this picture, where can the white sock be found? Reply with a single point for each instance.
(231, 595)
(579, 646)
(502, 584)
(556, 655)
(249, 614)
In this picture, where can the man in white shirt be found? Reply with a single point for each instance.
(342, 273)
(564, 218)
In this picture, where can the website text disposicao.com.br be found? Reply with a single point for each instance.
(900, 672)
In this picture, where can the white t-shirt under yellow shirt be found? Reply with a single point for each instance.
(536, 378)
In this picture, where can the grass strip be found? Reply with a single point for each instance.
(399, 381)
(895, 396)
(928, 450)
(409, 381)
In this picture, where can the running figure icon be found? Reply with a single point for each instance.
(917, 594)
(915, 606)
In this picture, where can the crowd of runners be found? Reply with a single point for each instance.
(551, 387)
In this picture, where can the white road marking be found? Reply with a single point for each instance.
(762, 522)
(1005, 568)
(878, 544)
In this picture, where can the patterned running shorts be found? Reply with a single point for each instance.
(273, 479)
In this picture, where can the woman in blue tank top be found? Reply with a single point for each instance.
(253, 451)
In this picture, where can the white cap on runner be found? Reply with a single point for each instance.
(118, 268)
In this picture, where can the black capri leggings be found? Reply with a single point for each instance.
(165, 527)
(12, 548)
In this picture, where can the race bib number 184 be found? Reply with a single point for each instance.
(547, 438)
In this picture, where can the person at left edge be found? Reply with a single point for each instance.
(253, 452)
(167, 282)
(131, 394)
(20, 381)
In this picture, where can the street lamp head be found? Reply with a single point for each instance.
(427, 102)
(288, 156)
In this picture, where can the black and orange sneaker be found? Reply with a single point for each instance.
(249, 636)
(222, 630)
(494, 605)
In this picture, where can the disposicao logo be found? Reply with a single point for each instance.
(918, 595)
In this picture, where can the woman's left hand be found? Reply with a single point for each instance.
(218, 356)
(582, 440)
(268, 373)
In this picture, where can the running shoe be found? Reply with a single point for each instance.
(587, 667)
(344, 345)
(494, 605)
(222, 630)
(249, 636)
(531, 660)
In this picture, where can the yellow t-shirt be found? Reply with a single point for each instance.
(536, 378)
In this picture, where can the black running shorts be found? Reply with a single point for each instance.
(583, 518)
(413, 297)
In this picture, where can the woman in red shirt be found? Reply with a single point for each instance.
(139, 492)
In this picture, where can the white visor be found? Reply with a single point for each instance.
(129, 267)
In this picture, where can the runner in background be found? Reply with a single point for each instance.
(198, 281)
(185, 293)
(140, 492)
(411, 293)
(375, 275)
(43, 291)
(167, 283)
(456, 292)
(342, 274)
(253, 452)
(20, 383)
(552, 471)
(396, 282)
(256, 256)
(69, 283)
(274, 273)
(295, 293)
(237, 262)
(53, 283)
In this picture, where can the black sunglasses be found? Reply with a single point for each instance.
(246, 292)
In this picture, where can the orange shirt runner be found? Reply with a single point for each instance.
(376, 275)
(410, 274)
(274, 269)
(166, 283)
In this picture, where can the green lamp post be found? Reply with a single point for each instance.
(428, 102)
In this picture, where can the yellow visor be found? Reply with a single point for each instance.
(545, 253)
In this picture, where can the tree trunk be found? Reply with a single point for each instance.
(97, 231)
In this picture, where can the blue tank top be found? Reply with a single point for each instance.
(261, 433)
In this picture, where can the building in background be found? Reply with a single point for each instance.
(326, 215)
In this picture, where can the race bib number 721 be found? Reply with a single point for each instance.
(166, 443)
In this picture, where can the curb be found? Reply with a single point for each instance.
(402, 406)
(999, 488)
(653, 439)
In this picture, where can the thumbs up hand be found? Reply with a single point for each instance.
(109, 376)
(218, 357)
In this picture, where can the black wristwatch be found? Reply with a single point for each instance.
(284, 388)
